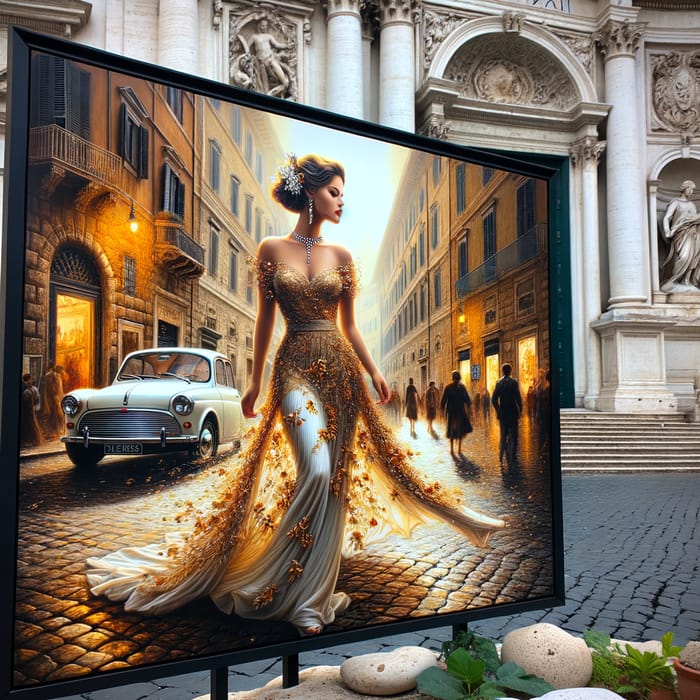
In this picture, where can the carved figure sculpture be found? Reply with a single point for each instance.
(271, 69)
(680, 227)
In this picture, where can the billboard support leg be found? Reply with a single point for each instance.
(290, 670)
(219, 683)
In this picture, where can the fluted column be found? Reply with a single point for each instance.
(177, 35)
(585, 154)
(344, 58)
(397, 64)
(627, 241)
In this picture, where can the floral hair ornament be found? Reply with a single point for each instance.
(293, 179)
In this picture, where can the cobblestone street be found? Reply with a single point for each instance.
(67, 515)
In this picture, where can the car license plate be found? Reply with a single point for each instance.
(119, 448)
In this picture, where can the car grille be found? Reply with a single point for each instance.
(132, 424)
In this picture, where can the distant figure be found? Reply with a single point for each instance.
(412, 405)
(395, 404)
(531, 402)
(508, 404)
(52, 393)
(476, 403)
(486, 405)
(432, 400)
(456, 404)
(30, 428)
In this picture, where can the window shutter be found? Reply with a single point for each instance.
(167, 174)
(122, 131)
(180, 199)
(143, 153)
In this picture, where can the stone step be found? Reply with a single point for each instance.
(594, 441)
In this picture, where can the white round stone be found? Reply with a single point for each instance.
(551, 653)
(386, 673)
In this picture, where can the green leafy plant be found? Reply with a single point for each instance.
(628, 671)
(474, 672)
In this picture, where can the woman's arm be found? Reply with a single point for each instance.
(262, 336)
(352, 333)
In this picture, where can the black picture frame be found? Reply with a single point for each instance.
(65, 680)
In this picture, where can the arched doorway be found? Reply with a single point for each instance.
(74, 316)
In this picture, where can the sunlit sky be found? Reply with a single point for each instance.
(372, 171)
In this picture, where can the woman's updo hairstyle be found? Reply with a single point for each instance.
(307, 173)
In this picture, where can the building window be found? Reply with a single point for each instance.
(214, 164)
(249, 214)
(173, 192)
(462, 258)
(486, 175)
(413, 262)
(258, 225)
(133, 142)
(61, 95)
(233, 270)
(526, 207)
(421, 246)
(460, 188)
(434, 227)
(173, 97)
(235, 195)
(236, 124)
(129, 275)
(437, 165)
(213, 250)
(437, 289)
(525, 297)
(259, 169)
(489, 224)
(422, 302)
(249, 148)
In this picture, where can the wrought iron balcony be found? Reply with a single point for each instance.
(176, 249)
(54, 145)
(525, 248)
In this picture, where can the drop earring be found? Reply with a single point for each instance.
(311, 211)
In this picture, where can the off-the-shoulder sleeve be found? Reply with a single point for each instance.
(265, 271)
(348, 278)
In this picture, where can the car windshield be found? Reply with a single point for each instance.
(165, 365)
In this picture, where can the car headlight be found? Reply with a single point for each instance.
(183, 405)
(70, 405)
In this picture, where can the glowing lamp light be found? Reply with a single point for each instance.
(462, 318)
(133, 221)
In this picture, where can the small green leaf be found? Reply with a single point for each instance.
(513, 677)
(462, 665)
(440, 684)
(598, 641)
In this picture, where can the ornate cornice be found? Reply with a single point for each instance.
(59, 17)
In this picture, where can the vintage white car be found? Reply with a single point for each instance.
(161, 400)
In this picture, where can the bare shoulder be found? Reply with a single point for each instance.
(270, 249)
(342, 254)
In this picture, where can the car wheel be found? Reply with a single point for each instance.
(208, 441)
(84, 457)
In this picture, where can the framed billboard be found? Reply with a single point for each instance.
(273, 379)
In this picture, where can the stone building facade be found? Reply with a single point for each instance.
(612, 85)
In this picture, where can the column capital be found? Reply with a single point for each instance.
(397, 11)
(586, 150)
(342, 7)
(617, 38)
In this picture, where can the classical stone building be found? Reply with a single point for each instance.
(612, 85)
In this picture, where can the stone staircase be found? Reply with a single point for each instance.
(601, 442)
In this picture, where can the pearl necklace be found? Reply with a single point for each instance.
(308, 242)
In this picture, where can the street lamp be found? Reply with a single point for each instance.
(133, 221)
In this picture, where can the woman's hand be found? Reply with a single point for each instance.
(381, 387)
(248, 401)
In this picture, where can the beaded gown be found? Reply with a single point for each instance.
(321, 478)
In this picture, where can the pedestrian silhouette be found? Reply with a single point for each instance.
(508, 405)
(456, 404)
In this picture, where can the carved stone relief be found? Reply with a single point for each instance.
(436, 27)
(675, 91)
(509, 69)
(582, 47)
(263, 52)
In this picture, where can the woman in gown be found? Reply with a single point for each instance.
(322, 475)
